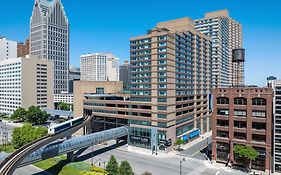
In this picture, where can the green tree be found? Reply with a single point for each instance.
(63, 106)
(26, 134)
(178, 143)
(112, 166)
(19, 114)
(36, 116)
(125, 168)
(245, 154)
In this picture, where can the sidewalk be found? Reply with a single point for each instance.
(127, 148)
(199, 139)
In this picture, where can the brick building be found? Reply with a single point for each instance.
(242, 115)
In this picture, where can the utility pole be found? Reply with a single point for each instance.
(181, 165)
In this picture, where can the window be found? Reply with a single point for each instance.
(258, 138)
(222, 134)
(222, 100)
(258, 126)
(240, 101)
(161, 115)
(259, 101)
(258, 114)
(240, 113)
(223, 123)
(240, 136)
(222, 112)
(162, 124)
(99, 90)
(240, 124)
(162, 108)
(162, 99)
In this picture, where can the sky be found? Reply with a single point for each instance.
(108, 25)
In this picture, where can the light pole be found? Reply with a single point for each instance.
(92, 153)
(181, 165)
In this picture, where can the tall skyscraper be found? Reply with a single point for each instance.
(99, 67)
(226, 35)
(49, 38)
(276, 125)
(8, 49)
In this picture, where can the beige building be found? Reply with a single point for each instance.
(25, 82)
(226, 35)
(170, 82)
(81, 88)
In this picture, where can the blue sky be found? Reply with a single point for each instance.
(107, 25)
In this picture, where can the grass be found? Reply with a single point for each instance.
(9, 148)
(60, 166)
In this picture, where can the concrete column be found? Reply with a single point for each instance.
(70, 155)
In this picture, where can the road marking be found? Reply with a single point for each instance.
(217, 173)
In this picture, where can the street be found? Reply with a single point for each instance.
(141, 163)
(156, 165)
(195, 150)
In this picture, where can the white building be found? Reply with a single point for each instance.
(25, 82)
(8, 49)
(64, 97)
(99, 67)
(49, 38)
(276, 126)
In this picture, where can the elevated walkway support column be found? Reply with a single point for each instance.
(70, 155)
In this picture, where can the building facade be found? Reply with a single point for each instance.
(276, 84)
(170, 82)
(49, 39)
(99, 67)
(124, 72)
(64, 97)
(8, 49)
(226, 35)
(74, 75)
(242, 116)
(23, 49)
(25, 82)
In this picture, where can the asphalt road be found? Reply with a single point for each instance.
(155, 165)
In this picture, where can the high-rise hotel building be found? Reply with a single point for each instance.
(25, 82)
(49, 38)
(170, 82)
(226, 35)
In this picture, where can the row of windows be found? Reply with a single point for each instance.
(242, 101)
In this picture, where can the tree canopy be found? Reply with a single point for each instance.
(33, 115)
(62, 106)
(27, 133)
(125, 169)
(112, 166)
(245, 153)
(19, 114)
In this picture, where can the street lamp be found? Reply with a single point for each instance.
(181, 165)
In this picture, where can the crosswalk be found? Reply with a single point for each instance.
(190, 158)
(193, 159)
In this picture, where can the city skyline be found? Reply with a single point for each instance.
(107, 27)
